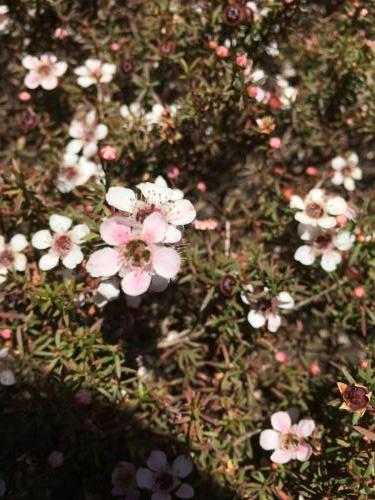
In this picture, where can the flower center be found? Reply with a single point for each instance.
(62, 244)
(6, 258)
(164, 481)
(323, 242)
(137, 253)
(290, 441)
(70, 172)
(45, 70)
(347, 171)
(314, 210)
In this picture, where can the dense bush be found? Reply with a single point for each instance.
(260, 117)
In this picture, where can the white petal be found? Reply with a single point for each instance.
(307, 232)
(89, 149)
(74, 257)
(330, 260)
(344, 240)
(305, 255)
(42, 239)
(59, 223)
(121, 198)
(74, 146)
(20, 262)
(86, 81)
(357, 174)
(269, 439)
(297, 202)
(79, 232)
(338, 163)
(101, 132)
(353, 159)
(18, 242)
(349, 184)
(337, 179)
(273, 322)
(173, 235)
(285, 300)
(48, 261)
(336, 205)
(256, 319)
(327, 222)
(7, 377)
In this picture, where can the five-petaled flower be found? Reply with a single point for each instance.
(44, 71)
(287, 440)
(86, 133)
(138, 253)
(76, 171)
(11, 256)
(93, 72)
(64, 243)
(346, 171)
(164, 480)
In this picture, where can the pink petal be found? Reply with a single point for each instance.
(182, 213)
(269, 439)
(30, 62)
(32, 80)
(157, 460)
(305, 427)
(281, 421)
(136, 282)
(304, 452)
(281, 456)
(154, 228)
(166, 262)
(185, 491)
(115, 231)
(105, 262)
(49, 83)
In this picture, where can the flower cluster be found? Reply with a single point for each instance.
(321, 217)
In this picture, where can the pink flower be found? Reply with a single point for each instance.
(164, 480)
(275, 142)
(222, 51)
(76, 171)
(43, 71)
(241, 60)
(138, 253)
(11, 255)
(287, 440)
(123, 481)
(108, 153)
(6, 333)
(86, 132)
(173, 172)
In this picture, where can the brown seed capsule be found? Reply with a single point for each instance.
(127, 67)
(233, 14)
(356, 397)
(29, 120)
(227, 285)
(167, 48)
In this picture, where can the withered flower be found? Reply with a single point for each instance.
(227, 285)
(266, 125)
(356, 397)
(233, 14)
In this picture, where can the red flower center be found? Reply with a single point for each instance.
(63, 244)
(7, 258)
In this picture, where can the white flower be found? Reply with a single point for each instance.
(318, 209)
(86, 133)
(157, 197)
(132, 112)
(266, 311)
(7, 377)
(76, 171)
(93, 72)
(327, 244)
(153, 117)
(43, 71)
(64, 244)
(285, 92)
(258, 13)
(346, 171)
(11, 256)
(4, 19)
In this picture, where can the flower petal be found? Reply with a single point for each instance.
(115, 230)
(48, 261)
(185, 491)
(182, 466)
(42, 239)
(30, 62)
(20, 262)
(304, 452)
(349, 184)
(305, 427)
(74, 257)
(121, 198)
(256, 319)
(273, 322)
(269, 439)
(285, 300)
(59, 223)
(79, 232)
(305, 255)
(136, 282)
(49, 83)
(144, 478)
(166, 262)
(173, 235)
(157, 460)
(32, 80)
(281, 421)
(18, 242)
(336, 205)
(326, 222)
(330, 260)
(344, 240)
(281, 456)
(338, 163)
(297, 202)
(181, 213)
(154, 228)
(104, 263)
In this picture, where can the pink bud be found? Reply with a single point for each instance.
(115, 46)
(241, 60)
(359, 292)
(364, 364)
(202, 187)
(341, 220)
(253, 91)
(108, 153)
(274, 102)
(312, 171)
(314, 368)
(173, 172)
(281, 357)
(60, 33)
(6, 333)
(222, 51)
(212, 44)
(275, 142)
(363, 12)
(55, 459)
(24, 96)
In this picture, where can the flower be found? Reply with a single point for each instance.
(108, 153)
(76, 171)
(7, 377)
(43, 71)
(4, 19)
(94, 72)
(266, 310)
(138, 253)
(123, 481)
(64, 244)
(286, 439)
(327, 244)
(285, 92)
(86, 133)
(318, 208)
(158, 197)
(163, 479)
(11, 256)
(356, 397)
(241, 60)
(346, 171)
